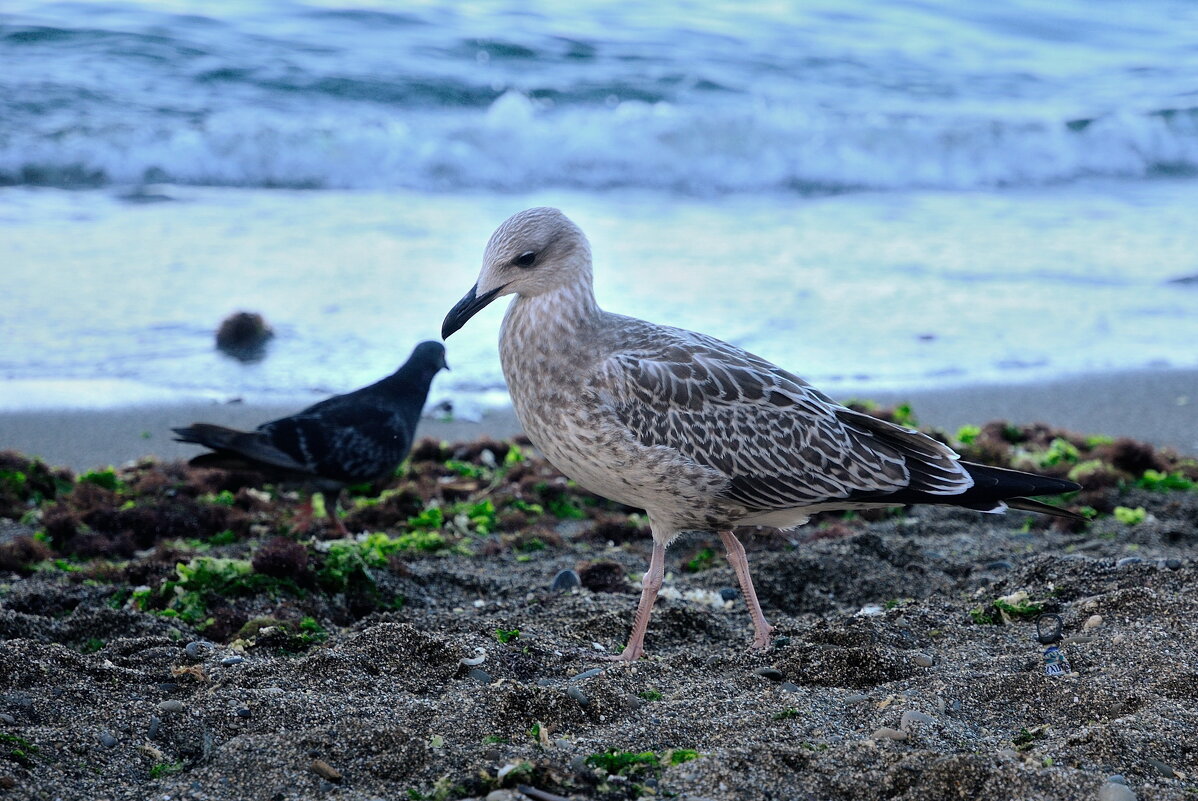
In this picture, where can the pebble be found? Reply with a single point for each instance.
(911, 716)
(1173, 564)
(1115, 791)
(170, 705)
(578, 695)
(773, 674)
(107, 740)
(199, 650)
(243, 712)
(887, 733)
(232, 660)
(167, 686)
(325, 771)
(275, 691)
(855, 698)
(789, 686)
(480, 675)
(1092, 622)
(479, 657)
(152, 729)
(587, 674)
(7, 718)
(729, 593)
(781, 642)
(923, 660)
(1162, 768)
(1129, 560)
(999, 564)
(565, 580)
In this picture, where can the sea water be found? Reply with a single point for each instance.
(873, 195)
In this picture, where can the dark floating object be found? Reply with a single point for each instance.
(243, 335)
(355, 438)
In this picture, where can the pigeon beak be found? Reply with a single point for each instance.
(466, 308)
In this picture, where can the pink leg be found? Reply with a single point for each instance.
(330, 509)
(740, 564)
(650, 584)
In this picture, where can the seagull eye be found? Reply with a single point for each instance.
(525, 259)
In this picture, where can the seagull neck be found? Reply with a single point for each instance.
(556, 313)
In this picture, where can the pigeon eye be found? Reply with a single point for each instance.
(525, 259)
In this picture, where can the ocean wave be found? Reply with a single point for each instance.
(519, 144)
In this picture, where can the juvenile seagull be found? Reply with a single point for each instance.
(354, 438)
(699, 433)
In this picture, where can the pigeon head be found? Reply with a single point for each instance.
(430, 355)
(533, 252)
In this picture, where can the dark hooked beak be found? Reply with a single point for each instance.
(466, 308)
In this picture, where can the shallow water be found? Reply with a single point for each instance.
(872, 196)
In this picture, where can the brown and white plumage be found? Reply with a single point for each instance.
(701, 434)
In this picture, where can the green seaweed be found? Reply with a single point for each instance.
(507, 635)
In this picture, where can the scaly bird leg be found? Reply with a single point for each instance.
(740, 564)
(330, 509)
(650, 584)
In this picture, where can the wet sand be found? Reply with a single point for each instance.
(1160, 407)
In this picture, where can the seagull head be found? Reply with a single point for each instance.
(533, 252)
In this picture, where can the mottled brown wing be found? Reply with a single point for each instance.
(781, 443)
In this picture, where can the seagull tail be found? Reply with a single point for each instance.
(208, 435)
(1009, 487)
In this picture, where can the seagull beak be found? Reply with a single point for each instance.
(466, 308)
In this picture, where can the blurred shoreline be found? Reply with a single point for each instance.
(1158, 406)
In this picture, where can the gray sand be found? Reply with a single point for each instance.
(1159, 406)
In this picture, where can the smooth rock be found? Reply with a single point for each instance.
(1092, 622)
(243, 712)
(1162, 768)
(887, 733)
(170, 705)
(199, 650)
(232, 660)
(565, 580)
(578, 695)
(999, 564)
(923, 660)
(912, 716)
(107, 740)
(789, 686)
(855, 698)
(326, 771)
(1173, 564)
(587, 674)
(480, 675)
(729, 593)
(773, 674)
(1114, 791)
(152, 729)
(1129, 560)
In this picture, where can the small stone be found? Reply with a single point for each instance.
(325, 771)
(773, 674)
(1173, 564)
(911, 716)
(855, 698)
(1092, 622)
(1117, 778)
(565, 580)
(167, 686)
(7, 718)
(107, 740)
(274, 691)
(480, 656)
(1115, 791)
(729, 593)
(999, 564)
(232, 660)
(887, 733)
(170, 705)
(1128, 560)
(243, 712)
(578, 695)
(781, 642)
(480, 675)
(789, 686)
(587, 674)
(1162, 768)
(199, 650)
(546, 683)
(923, 660)
(152, 729)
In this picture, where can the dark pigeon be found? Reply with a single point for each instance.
(355, 438)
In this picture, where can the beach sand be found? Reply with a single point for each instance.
(454, 668)
(1157, 406)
